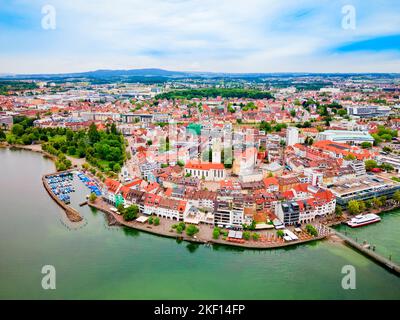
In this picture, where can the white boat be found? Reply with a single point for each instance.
(362, 220)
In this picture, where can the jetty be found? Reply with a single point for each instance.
(366, 250)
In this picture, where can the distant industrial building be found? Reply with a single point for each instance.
(392, 160)
(368, 111)
(345, 136)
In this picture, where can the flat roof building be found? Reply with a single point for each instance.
(345, 136)
(363, 188)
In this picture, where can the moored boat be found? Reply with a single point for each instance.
(362, 220)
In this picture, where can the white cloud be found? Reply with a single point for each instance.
(209, 35)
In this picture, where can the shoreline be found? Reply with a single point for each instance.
(114, 219)
(149, 229)
(32, 148)
(72, 214)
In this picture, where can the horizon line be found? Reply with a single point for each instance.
(10, 74)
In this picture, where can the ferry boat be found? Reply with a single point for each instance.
(362, 220)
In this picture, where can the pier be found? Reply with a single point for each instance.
(366, 250)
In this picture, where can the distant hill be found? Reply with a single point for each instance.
(101, 74)
(161, 75)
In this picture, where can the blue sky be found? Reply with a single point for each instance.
(200, 35)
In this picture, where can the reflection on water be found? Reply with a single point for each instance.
(192, 247)
(130, 232)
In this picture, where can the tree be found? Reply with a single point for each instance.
(387, 137)
(255, 236)
(370, 164)
(17, 129)
(121, 208)
(353, 207)
(366, 145)
(216, 233)
(92, 197)
(396, 196)
(309, 141)
(311, 230)
(383, 200)
(94, 135)
(114, 129)
(377, 139)
(386, 167)
(2, 135)
(156, 221)
(339, 211)
(280, 234)
(362, 206)
(117, 167)
(387, 149)
(246, 235)
(71, 150)
(265, 126)
(191, 230)
(131, 213)
(350, 157)
(181, 226)
(180, 163)
(151, 220)
(179, 229)
(231, 109)
(377, 203)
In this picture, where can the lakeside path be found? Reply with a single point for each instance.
(205, 234)
(76, 162)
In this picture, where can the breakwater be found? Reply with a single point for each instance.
(72, 214)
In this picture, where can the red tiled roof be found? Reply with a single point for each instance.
(204, 165)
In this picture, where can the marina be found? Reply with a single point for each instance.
(89, 183)
(61, 186)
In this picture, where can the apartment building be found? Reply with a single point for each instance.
(229, 212)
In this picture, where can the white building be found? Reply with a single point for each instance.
(164, 207)
(206, 170)
(229, 212)
(292, 136)
(345, 136)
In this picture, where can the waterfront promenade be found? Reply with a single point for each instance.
(268, 239)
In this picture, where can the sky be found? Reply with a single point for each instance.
(200, 35)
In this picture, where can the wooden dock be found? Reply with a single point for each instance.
(365, 250)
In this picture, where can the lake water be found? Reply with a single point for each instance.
(94, 261)
(385, 235)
